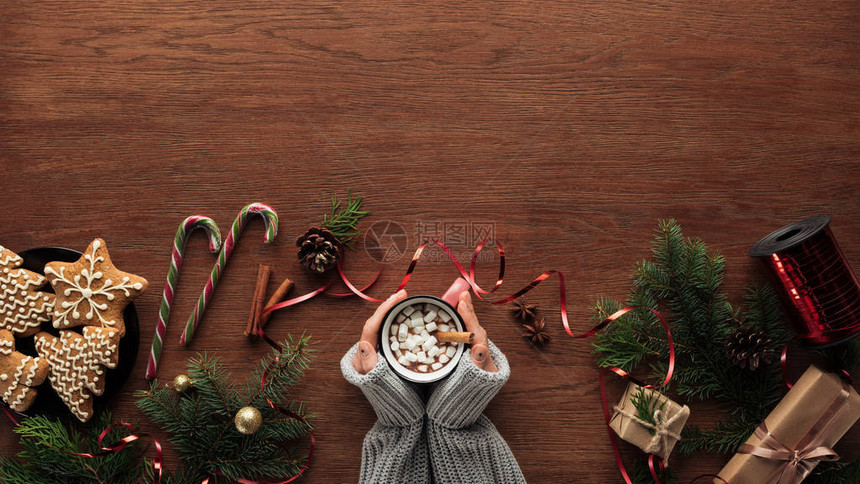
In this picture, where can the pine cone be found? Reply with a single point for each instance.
(748, 347)
(318, 250)
(535, 332)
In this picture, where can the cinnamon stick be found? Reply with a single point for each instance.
(454, 337)
(277, 297)
(263, 273)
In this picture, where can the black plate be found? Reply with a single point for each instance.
(48, 402)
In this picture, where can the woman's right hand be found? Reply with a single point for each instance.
(366, 357)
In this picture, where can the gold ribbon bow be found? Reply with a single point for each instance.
(798, 463)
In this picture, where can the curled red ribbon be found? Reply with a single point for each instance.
(470, 276)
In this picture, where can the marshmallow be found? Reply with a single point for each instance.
(417, 318)
(444, 316)
(400, 317)
(422, 368)
(430, 316)
(433, 351)
(436, 366)
(450, 351)
(403, 361)
(411, 357)
(402, 332)
(443, 327)
(393, 338)
(428, 360)
(443, 358)
(430, 307)
(430, 327)
(418, 329)
(394, 328)
(404, 346)
(396, 346)
(411, 344)
(421, 356)
(429, 343)
(424, 334)
(408, 310)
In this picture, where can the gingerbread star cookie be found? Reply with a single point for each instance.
(78, 363)
(23, 308)
(91, 291)
(19, 374)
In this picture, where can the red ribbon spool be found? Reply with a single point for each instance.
(805, 261)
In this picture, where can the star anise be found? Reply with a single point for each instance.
(523, 311)
(536, 332)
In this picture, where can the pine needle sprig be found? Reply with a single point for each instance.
(46, 459)
(647, 404)
(343, 220)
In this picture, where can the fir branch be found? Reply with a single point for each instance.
(342, 221)
(683, 279)
(200, 423)
(46, 456)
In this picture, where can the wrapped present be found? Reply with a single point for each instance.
(798, 434)
(649, 420)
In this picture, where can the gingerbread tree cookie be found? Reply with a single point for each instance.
(19, 374)
(91, 291)
(78, 364)
(23, 308)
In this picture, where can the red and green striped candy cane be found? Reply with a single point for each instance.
(185, 228)
(271, 220)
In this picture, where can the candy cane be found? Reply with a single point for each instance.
(185, 228)
(271, 220)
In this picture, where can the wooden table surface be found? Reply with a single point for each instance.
(570, 128)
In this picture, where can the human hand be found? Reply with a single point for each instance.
(366, 357)
(480, 349)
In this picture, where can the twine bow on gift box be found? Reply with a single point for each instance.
(662, 431)
(798, 463)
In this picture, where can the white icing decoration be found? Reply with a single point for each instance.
(77, 364)
(83, 284)
(18, 296)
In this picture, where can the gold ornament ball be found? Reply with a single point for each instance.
(182, 383)
(248, 420)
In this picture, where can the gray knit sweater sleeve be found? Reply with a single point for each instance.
(395, 449)
(456, 444)
(464, 445)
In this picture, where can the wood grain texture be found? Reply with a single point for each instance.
(571, 126)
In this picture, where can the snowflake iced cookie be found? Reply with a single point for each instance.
(23, 308)
(78, 363)
(91, 291)
(19, 374)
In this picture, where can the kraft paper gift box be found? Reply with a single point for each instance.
(658, 440)
(801, 430)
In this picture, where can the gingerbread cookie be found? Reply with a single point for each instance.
(91, 291)
(19, 374)
(23, 308)
(78, 364)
